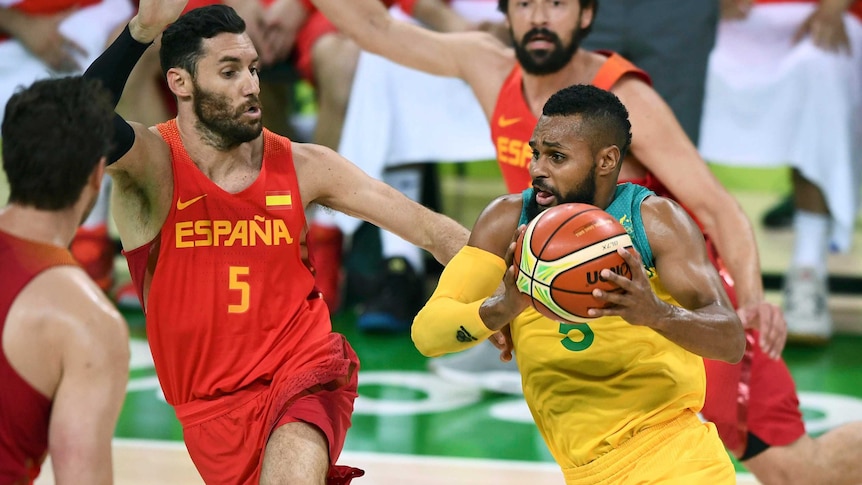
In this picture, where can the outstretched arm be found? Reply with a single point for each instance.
(328, 179)
(661, 145)
(470, 304)
(115, 65)
(705, 323)
(476, 57)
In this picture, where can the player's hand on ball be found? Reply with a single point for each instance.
(637, 303)
(507, 302)
(503, 341)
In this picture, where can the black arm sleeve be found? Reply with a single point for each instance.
(112, 68)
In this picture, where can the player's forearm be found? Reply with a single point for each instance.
(115, 64)
(443, 237)
(437, 15)
(10, 21)
(837, 5)
(358, 19)
(733, 236)
(113, 68)
(451, 319)
(446, 325)
(713, 332)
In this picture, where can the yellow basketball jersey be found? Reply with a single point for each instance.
(592, 386)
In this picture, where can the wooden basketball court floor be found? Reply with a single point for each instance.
(411, 427)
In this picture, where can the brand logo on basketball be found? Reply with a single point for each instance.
(560, 258)
(594, 277)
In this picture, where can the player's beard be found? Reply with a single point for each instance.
(219, 123)
(544, 62)
(583, 193)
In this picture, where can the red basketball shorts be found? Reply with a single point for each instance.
(228, 447)
(757, 395)
(315, 27)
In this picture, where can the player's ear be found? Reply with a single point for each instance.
(608, 159)
(95, 179)
(179, 82)
(587, 15)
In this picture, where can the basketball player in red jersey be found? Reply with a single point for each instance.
(65, 353)
(211, 212)
(754, 403)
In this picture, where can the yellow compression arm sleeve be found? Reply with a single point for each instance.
(450, 321)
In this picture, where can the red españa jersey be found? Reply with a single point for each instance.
(24, 412)
(225, 283)
(512, 123)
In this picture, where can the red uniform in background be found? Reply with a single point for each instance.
(756, 395)
(239, 335)
(25, 413)
(315, 27)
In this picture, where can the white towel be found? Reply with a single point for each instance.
(398, 115)
(770, 102)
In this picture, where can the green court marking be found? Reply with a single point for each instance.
(766, 180)
(471, 429)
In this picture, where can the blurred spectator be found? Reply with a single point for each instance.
(385, 146)
(785, 88)
(665, 38)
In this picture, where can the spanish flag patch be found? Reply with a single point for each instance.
(278, 200)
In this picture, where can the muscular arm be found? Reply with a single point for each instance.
(469, 303)
(140, 161)
(476, 57)
(69, 342)
(328, 179)
(439, 16)
(87, 403)
(660, 144)
(705, 323)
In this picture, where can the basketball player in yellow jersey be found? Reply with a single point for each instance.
(616, 398)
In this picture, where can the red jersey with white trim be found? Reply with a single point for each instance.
(512, 123)
(225, 283)
(25, 413)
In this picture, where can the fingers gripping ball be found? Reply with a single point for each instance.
(560, 257)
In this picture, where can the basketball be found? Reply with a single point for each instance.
(560, 256)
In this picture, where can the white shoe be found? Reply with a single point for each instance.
(481, 367)
(806, 306)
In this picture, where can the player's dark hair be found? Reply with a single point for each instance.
(182, 41)
(601, 111)
(54, 134)
(503, 7)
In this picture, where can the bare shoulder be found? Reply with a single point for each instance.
(79, 309)
(147, 164)
(485, 63)
(304, 153)
(635, 93)
(667, 223)
(321, 172)
(496, 225)
(63, 310)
